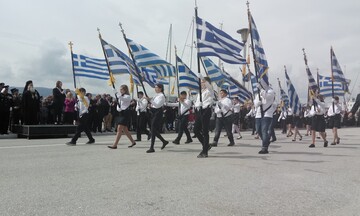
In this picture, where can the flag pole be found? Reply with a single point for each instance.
(253, 51)
(177, 79)
(132, 57)
(198, 58)
(72, 62)
(332, 78)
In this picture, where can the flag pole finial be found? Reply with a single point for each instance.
(122, 30)
(99, 32)
(305, 59)
(70, 45)
(248, 5)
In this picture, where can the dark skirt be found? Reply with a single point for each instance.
(124, 118)
(318, 123)
(335, 121)
(236, 118)
(289, 120)
(297, 121)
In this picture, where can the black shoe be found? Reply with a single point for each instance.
(338, 141)
(209, 147)
(91, 141)
(264, 151)
(176, 142)
(202, 155)
(231, 144)
(312, 146)
(326, 143)
(71, 143)
(188, 141)
(112, 147)
(273, 140)
(193, 136)
(150, 151)
(132, 145)
(213, 144)
(164, 144)
(138, 140)
(333, 143)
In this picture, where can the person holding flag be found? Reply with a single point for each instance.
(334, 114)
(318, 120)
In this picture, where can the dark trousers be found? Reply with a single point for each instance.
(225, 122)
(57, 113)
(272, 129)
(4, 122)
(82, 126)
(201, 127)
(156, 118)
(141, 125)
(183, 124)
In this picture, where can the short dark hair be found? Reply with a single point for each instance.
(224, 91)
(140, 92)
(207, 79)
(183, 93)
(82, 90)
(159, 85)
(336, 98)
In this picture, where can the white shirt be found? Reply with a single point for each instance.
(185, 106)
(81, 106)
(236, 108)
(251, 113)
(123, 101)
(223, 107)
(307, 113)
(289, 112)
(282, 116)
(338, 109)
(141, 105)
(207, 99)
(320, 108)
(158, 101)
(268, 98)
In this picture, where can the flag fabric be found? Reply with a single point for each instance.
(214, 72)
(90, 67)
(259, 53)
(325, 84)
(253, 83)
(337, 73)
(116, 62)
(313, 86)
(187, 78)
(224, 80)
(118, 59)
(151, 76)
(212, 41)
(294, 102)
(284, 97)
(145, 58)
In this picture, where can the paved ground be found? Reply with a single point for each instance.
(46, 177)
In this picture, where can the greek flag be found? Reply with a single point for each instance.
(212, 41)
(119, 62)
(336, 69)
(236, 89)
(260, 58)
(151, 76)
(325, 84)
(294, 102)
(187, 78)
(253, 83)
(116, 62)
(214, 72)
(284, 97)
(145, 58)
(313, 87)
(90, 67)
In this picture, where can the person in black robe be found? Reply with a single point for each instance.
(31, 104)
(58, 102)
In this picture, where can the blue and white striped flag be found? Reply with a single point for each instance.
(337, 73)
(284, 97)
(145, 58)
(90, 67)
(253, 83)
(236, 89)
(212, 41)
(116, 63)
(187, 78)
(151, 76)
(313, 87)
(294, 101)
(214, 72)
(325, 84)
(259, 53)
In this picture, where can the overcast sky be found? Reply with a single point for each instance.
(34, 35)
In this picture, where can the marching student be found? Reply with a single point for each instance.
(203, 115)
(156, 108)
(318, 120)
(334, 114)
(289, 121)
(297, 124)
(141, 111)
(185, 106)
(223, 110)
(83, 109)
(307, 118)
(124, 116)
(267, 107)
(236, 117)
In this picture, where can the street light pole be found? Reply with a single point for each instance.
(244, 32)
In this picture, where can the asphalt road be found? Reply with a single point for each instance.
(46, 177)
